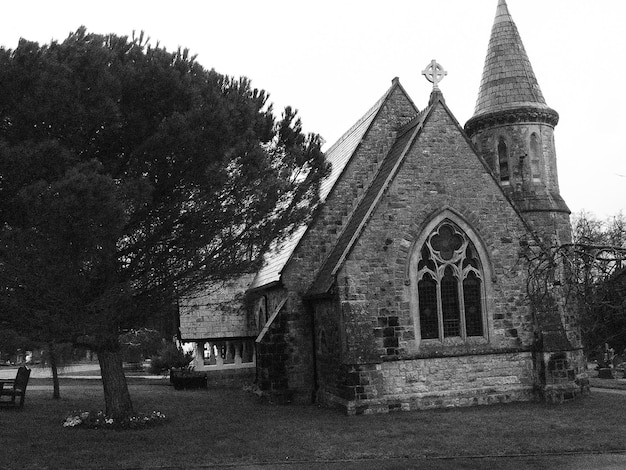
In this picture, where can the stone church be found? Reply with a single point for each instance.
(409, 289)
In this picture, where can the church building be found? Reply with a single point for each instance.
(410, 287)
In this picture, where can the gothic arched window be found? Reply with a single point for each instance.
(503, 161)
(534, 158)
(449, 285)
(261, 313)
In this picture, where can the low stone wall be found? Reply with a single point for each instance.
(438, 383)
(230, 377)
(449, 374)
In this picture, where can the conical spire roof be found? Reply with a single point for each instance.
(508, 79)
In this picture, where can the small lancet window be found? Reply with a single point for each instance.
(450, 304)
(261, 313)
(322, 343)
(472, 302)
(503, 159)
(534, 158)
(450, 285)
(429, 322)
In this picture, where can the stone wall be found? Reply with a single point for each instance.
(368, 355)
(385, 365)
(517, 137)
(441, 175)
(285, 358)
(332, 374)
(271, 352)
(437, 383)
(230, 377)
(285, 353)
(321, 236)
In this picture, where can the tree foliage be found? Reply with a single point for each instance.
(10, 343)
(598, 260)
(141, 343)
(130, 175)
(590, 274)
(168, 357)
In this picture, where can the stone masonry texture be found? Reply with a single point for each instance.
(344, 316)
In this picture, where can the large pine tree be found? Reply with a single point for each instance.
(130, 175)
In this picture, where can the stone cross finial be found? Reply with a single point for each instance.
(434, 73)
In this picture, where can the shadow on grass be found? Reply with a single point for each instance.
(230, 426)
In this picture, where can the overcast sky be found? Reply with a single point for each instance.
(333, 59)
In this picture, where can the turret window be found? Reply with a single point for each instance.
(534, 158)
(503, 159)
(449, 285)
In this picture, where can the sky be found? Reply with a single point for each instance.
(333, 59)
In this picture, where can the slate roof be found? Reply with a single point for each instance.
(508, 79)
(359, 217)
(216, 312)
(339, 154)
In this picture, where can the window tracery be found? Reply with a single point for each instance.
(450, 285)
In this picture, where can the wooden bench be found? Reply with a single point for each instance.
(14, 388)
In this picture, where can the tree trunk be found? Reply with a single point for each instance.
(56, 392)
(116, 395)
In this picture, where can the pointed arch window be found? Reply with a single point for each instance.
(503, 161)
(534, 158)
(261, 316)
(450, 285)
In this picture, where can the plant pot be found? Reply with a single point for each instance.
(184, 380)
(605, 373)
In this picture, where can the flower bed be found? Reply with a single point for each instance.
(98, 420)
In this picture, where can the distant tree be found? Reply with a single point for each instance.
(141, 343)
(590, 274)
(11, 342)
(130, 175)
(598, 260)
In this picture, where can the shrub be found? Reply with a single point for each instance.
(170, 357)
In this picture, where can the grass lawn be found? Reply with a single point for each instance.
(230, 426)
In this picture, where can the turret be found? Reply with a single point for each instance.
(512, 128)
